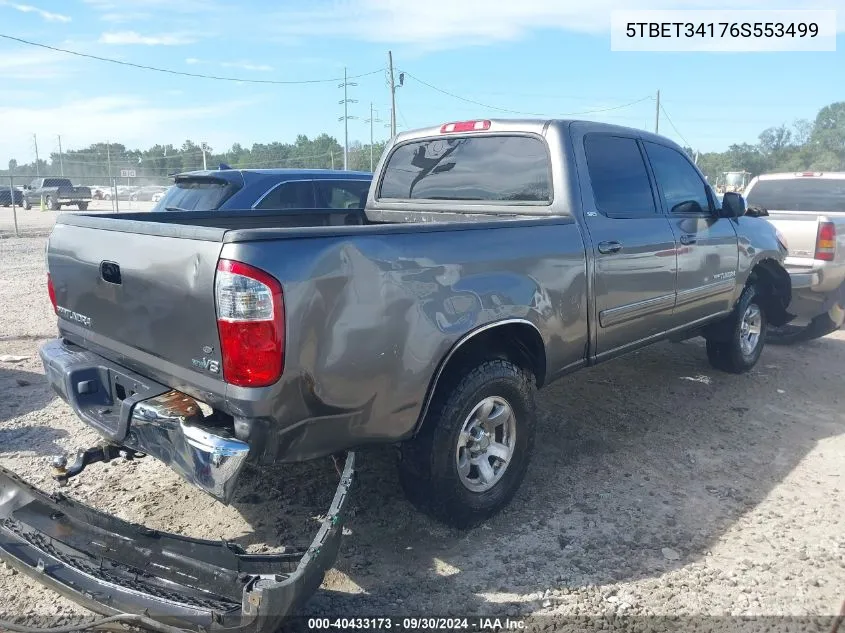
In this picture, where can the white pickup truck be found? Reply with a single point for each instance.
(808, 208)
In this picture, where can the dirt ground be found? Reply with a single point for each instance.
(658, 487)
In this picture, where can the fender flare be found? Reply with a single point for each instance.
(444, 363)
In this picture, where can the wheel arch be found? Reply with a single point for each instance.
(516, 340)
(775, 285)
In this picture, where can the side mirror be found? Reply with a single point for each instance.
(733, 205)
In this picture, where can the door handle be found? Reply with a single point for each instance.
(688, 239)
(608, 248)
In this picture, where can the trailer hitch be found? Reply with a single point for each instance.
(85, 457)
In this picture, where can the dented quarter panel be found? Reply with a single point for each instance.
(369, 318)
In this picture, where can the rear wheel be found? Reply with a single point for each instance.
(25, 204)
(82, 206)
(52, 203)
(739, 349)
(472, 452)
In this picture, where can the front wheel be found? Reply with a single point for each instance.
(25, 204)
(739, 350)
(474, 447)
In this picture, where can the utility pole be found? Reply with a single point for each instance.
(392, 95)
(657, 115)
(372, 120)
(331, 154)
(345, 118)
(202, 145)
(35, 140)
(61, 162)
(111, 182)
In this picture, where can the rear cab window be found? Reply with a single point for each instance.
(812, 194)
(502, 168)
(196, 194)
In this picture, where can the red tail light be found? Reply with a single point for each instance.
(52, 292)
(251, 324)
(826, 242)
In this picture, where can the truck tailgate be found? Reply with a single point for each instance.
(145, 301)
(799, 228)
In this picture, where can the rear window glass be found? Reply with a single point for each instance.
(195, 195)
(509, 169)
(56, 182)
(799, 194)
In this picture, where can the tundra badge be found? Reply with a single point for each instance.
(70, 315)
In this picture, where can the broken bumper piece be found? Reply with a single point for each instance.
(111, 566)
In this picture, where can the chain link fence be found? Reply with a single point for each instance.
(24, 213)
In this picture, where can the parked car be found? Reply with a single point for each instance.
(98, 192)
(124, 192)
(808, 208)
(56, 193)
(267, 189)
(160, 194)
(146, 193)
(7, 195)
(492, 258)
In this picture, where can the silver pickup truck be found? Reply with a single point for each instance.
(492, 258)
(808, 208)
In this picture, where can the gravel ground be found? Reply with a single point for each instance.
(658, 487)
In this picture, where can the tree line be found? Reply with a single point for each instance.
(154, 165)
(817, 145)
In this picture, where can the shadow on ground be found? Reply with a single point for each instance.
(22, 391)
(652, 451)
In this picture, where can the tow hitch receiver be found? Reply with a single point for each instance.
(111, 566)
(105, 453)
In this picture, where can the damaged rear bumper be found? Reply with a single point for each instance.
(111, 566)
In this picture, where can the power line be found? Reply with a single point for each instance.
(668, 118)
(509, 111)
(170, 71)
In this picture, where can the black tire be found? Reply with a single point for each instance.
(52, 204)
(726, 353)
(428, 468)
(820, 326)
(82, 206)
(25, 204)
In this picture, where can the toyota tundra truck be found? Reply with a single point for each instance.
(493, 258)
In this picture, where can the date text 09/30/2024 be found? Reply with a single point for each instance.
(475, 623)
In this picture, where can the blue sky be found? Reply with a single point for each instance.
(550, 57)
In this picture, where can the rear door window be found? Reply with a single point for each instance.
(504, 169)
(341, 194)
(811, 194)
(196, 194)
(295, 194)
(618, 176)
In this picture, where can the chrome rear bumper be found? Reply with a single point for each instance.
(132, 410)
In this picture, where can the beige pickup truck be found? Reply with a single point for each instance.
(808, 208)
